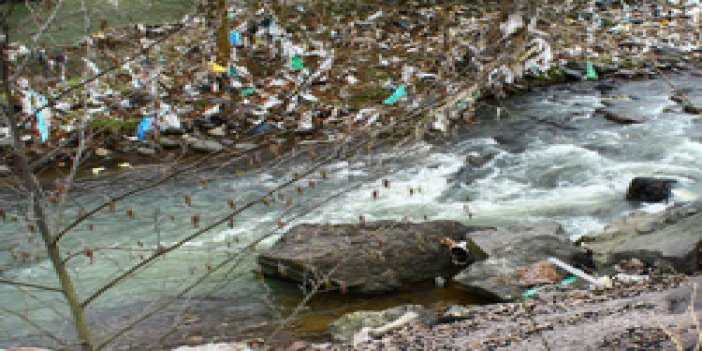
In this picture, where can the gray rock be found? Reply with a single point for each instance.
(672, 240)
(371, 258)
(617, 113)
(5, 171)
(168, 143)
(679, 299)
(510, 249)
(145, 151)
(217, 132)
(207, 146)
(343, 329)
(245, 146)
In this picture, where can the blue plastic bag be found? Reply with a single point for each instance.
(146, 125)
(42, 124)
(235, 38)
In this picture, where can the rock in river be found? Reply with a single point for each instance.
(647, 189)
(510, 249)
(670, 240)
(366, 258)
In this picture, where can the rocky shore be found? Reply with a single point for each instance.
(651, 261)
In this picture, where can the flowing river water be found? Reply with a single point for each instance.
(549, 155)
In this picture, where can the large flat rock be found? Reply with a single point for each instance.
(669, 240)
(510, 249)
(370, 258)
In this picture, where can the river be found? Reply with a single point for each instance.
(548, 155)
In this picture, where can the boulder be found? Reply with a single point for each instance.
(669, 240)
(145, 151)
(512, 250)
(206, 146)
(5, 171)
(679, 300)
(343, 329)
(648, 189)
(365, 258)
(622, 115)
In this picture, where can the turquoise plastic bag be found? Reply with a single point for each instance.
(591, 73)
(297, 63)
(399, 93)
(247, 92)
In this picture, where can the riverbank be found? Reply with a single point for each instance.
(210, 110)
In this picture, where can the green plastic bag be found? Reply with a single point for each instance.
(569, 281)
(591, 73)
(297, 63)
(399, 93)
(247, 92)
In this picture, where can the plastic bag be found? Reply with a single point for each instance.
(399, 93)
(146, 125)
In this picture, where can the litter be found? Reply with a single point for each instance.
(603, 282)
(146, 125)
(399, 93)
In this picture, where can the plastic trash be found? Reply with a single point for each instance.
(569, 281)
(43, 120)
(399, 93)
(98, 170)
(297, 63)
(247, 92)
(146, 125)
(216, 68)
(591, 73)
(235, 38)
(600, 282)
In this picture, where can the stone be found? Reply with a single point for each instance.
(621, 116)
(673, 244)
(217, 132)
(509, 249)
(366, 258)
(679, 299)
(206, 146)
(168, 143)
(102, 152)
(5, 171)
(648, 189)
(343, 329)
(145, 151)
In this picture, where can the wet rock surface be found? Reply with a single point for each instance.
(648, 189)
(511, 249)
(669, 240)
(368, 258)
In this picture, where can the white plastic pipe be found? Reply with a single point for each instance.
(602, 282)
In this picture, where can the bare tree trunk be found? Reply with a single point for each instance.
(223, 45)
(21, 164)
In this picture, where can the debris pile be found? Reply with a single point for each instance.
(321, 72)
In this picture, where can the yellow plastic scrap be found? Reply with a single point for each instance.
(216, 68)
(124, 165)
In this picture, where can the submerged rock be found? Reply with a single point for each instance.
(512, 249)
(343, 329)
(670, 240)
(366, 258)
(648, 189)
